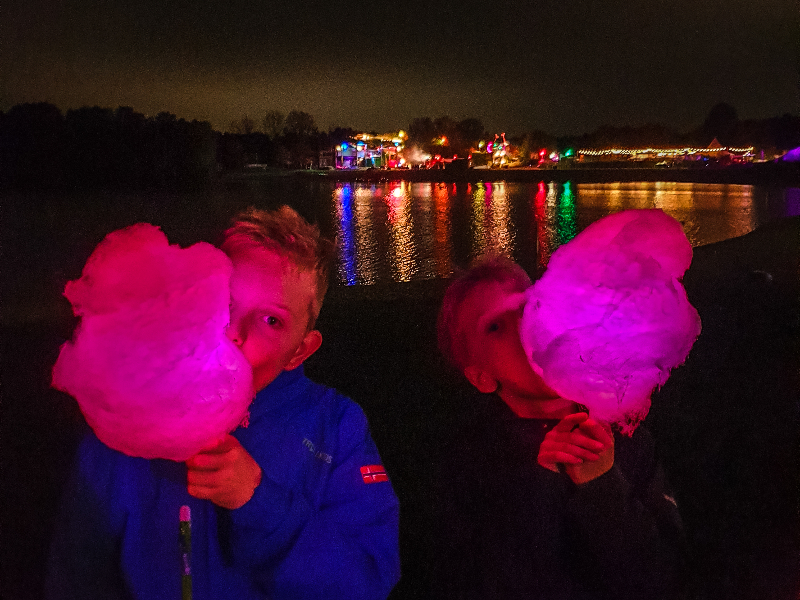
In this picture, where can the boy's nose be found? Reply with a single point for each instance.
(233, 331)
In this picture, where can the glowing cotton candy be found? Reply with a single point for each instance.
(610, 318)
(149, 364)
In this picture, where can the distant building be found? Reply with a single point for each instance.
(327, 159)
(371, 151)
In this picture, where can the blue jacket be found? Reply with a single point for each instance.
(317, 526)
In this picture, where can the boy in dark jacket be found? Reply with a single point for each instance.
(537, 499)
(292, 504)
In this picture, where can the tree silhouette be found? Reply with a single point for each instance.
(299, 123)
(272, 123)
(421, 132)
(471, 131)
(301, 139)
(33, 141)
(444, 135)
(244, 126)
(720, 123)
(94, 147)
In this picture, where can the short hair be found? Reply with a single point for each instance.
(285, 232)
(450, 339)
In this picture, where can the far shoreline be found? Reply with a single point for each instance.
(769, 174)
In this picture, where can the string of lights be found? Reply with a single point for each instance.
(664, 152)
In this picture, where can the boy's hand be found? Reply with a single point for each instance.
(224, 473)
(584, 446)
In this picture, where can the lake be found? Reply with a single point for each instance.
(388, 232)
(400, 231)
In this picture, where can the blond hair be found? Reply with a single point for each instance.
(286, 233)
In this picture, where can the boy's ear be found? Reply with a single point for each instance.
(484, 382)
(310, 344)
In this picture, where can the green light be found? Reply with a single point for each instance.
(566, 221)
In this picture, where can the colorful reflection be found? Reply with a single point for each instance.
(442, 236)
(343, 203)
(492, 229)
(709, 212)
(430, 232)
(366, 242)
(554, 213)
(401, 231)
(478, 205)
(401, 240)
(566, 227)
(355, 235)
(543, 237)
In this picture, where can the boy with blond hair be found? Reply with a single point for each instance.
(292, 504)
(536, 499)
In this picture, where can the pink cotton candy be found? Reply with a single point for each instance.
(149, 364)
(610, 319)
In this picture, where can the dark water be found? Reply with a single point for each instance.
(388, 232)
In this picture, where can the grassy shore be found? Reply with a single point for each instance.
(727, 423)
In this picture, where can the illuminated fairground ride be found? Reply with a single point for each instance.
(365, 151)
(495, 154)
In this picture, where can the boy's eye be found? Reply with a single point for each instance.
(493, 327)
(272, 321)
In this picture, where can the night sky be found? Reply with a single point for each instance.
(565, 67)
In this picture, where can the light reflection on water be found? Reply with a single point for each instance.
(402, 253)
(442, 240)
(401, 231)
(709, 212)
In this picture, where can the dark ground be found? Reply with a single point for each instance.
(727, 423)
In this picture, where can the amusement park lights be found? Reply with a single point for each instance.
(663, 152)
(365, 149)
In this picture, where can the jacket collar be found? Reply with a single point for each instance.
(281, 390)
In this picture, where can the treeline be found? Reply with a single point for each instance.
(96, 147)
(291, 141)
(294, 141)
(774, 135)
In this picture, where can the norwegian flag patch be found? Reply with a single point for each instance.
(373, 474)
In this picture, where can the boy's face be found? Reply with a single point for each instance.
(489, 318)
(270, 302)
